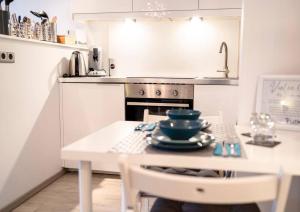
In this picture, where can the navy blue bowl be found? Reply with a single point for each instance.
(184, 114)
(180, 129)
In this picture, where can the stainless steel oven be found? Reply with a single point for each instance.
(157, 98)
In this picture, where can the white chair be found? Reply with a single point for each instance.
(217, 118)
(152, 118)
(202, 190)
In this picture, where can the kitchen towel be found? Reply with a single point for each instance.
(218, 150)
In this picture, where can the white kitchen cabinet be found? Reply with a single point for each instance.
(100, 6)
(88, 107)
(220, 4)
(91, 10)
(113, 6)
(212, 99)
(157, 5)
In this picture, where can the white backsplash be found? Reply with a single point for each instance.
(166, 48)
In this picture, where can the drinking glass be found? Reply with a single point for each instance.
(263, 128)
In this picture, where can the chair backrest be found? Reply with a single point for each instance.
(199, 189)
(155, 118)
(152, 118)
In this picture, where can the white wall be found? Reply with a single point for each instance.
(225, 99)
(29, 111)
(165, 48)
(270, 45)
(59, 8)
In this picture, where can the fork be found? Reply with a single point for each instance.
(225, 153)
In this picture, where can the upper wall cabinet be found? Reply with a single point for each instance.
(101, 6)
(220, 4)
(159, 5)
(86, 10)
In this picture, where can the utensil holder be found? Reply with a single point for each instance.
(28, 30)
(53, 32)
(22, 30)
(13, 29)
(37, 31)
(4, 22)
(45, 32)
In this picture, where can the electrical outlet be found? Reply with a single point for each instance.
(7, 57)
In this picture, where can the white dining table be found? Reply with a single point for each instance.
(97, 146)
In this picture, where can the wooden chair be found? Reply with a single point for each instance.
(242, 190)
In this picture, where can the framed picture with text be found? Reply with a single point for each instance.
(279, 96)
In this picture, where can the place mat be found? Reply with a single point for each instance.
(135, 143)
(264, 144)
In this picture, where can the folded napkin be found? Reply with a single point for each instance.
(229, 152)
(145, 127)
(237, 149)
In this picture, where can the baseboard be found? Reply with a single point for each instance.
(32, 192)
(94, 172)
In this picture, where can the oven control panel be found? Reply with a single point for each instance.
(162, 91)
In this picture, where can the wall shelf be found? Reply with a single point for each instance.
(78, 47)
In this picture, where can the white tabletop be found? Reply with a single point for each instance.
(96, 146)
(286, 154)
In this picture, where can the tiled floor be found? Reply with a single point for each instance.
(62, 195)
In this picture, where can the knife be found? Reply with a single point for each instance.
(225, 150)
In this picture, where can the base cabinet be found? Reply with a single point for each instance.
(86, 108)
(212, 99)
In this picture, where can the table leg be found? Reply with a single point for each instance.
(85, 186)
(123, 196)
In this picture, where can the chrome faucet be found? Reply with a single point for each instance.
(225, 69)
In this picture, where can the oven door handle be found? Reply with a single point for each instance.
(153, 104)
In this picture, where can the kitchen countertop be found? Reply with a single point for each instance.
(124, 80)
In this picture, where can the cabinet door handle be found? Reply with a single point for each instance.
(158, 104)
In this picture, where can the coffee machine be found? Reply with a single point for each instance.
(95, 62)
